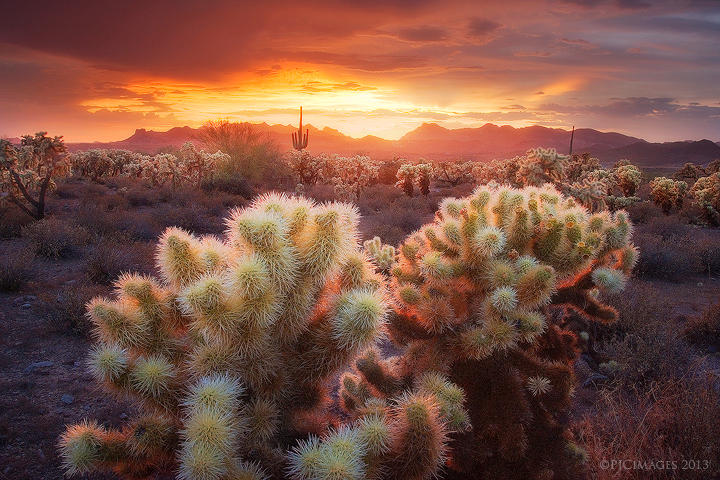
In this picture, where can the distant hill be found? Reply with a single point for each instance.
(435, 142)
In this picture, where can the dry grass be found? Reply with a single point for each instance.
(55, 238)
(15, 267)
(677, 420)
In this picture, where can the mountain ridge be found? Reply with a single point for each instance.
(435, 142)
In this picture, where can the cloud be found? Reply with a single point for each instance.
(424, 33)
(480, 27)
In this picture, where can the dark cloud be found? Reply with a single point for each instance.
(424, 33)
(481, 27)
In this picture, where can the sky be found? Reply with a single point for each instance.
(97, 70)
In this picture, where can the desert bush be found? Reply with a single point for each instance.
(232, 353)
(704, 330)
(110, 258)
(55, 238)
(664, 258)
(644, 343)
(15, 267)
(65, 311)
(472, 293)
(252, 152)
(228, 182)
(28, 171)
(13, 220)
(677, 420)
(643, 212)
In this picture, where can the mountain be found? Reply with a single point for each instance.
(433, 141)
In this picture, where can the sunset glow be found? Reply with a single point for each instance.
(383, 68)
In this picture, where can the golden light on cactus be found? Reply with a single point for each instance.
(238, 338)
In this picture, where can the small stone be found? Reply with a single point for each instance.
(18, 301)
(123, 416)
(43, 364)
(713, 349)
(30, 298)
(67, 399)
(25, 306)
(593, 379)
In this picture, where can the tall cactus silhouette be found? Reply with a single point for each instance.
(300, 141)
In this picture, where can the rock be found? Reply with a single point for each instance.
(713, 348)
(25, 306)
(33, 366)
(67, 399)
(18, 301)
(593, 379)
(123, 416)
(30, 298)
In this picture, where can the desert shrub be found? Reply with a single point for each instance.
(706, 246)
(643, 212)
(666, 227)
(646, 345)
(677, 420)
(226, 181)
(109, 258)
(141, 196)
(472, 290)
(704, 330)
(55, 238)
(664, 258)
(13, 220)
(252, 153)
(65, 311)
(15, 267)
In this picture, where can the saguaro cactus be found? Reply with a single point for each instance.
(300, 142)
(481, 295)
(231, 353)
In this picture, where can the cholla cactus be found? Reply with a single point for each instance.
(690, 173)
(195, 165)
(414, 175)
(406, 179)
(232, 352)
(706, 193)
(382, 255)
(578, 176)
(481, 295)
(98, 163)
(667, 193)
(28, 171)
(628, 179)
(351, 175)
(308, 168)
(453, 173)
